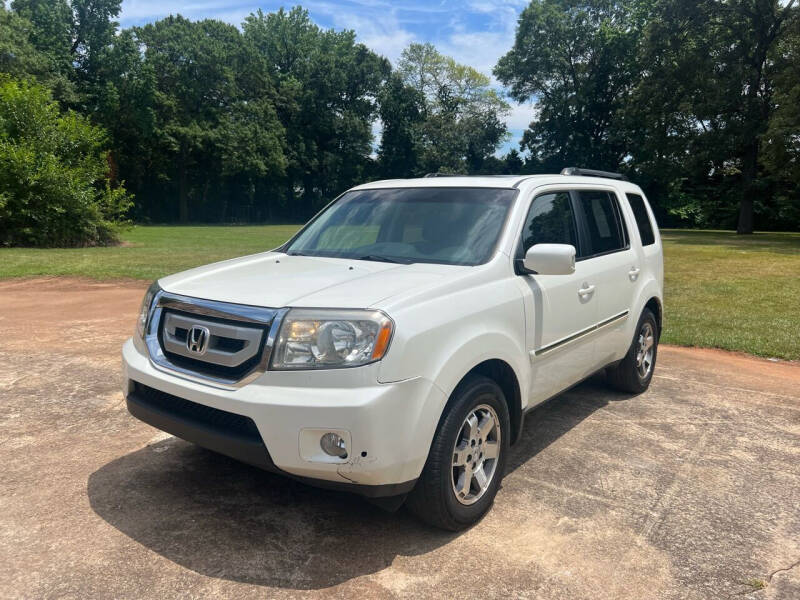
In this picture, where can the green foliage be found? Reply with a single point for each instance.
(326, 87)
(781, 141)
(678, 94)
(20, 57)
(53, 189)
(578, 60)
(213, 117)
(696, 101)
(462, 123)
(401, 113)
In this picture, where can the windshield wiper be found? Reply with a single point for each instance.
(386, 259)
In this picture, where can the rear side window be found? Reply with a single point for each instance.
(550, 221)
(606, 229)
(642, 219)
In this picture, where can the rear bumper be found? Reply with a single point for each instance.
(388, 426)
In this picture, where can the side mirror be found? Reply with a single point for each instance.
(550, 259)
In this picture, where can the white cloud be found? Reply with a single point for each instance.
(385, 36)
(482, 48)
(520, 117)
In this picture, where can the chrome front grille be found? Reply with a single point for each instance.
(214, 342)
(227, 345)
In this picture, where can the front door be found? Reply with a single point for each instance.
(560, 309)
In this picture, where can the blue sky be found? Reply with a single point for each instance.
(474, 32)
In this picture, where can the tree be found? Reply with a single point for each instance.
(401, 113)
(577, 61)
(213, 108)
(53, 185)
(123, 101)
(679, 94)
(326, 90)
(462, 115)
(780, 144)
(21, 58)
(18, 56)
(728, 50)
(514, 163)
(74, 35)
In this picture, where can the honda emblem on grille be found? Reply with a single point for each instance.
(197, 340)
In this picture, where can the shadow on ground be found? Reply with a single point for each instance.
(225, 519)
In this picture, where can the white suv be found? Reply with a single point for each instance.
(393, 346)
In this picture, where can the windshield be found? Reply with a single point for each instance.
(454, 226)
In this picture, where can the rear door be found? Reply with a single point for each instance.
(559, 310)
(608, 255)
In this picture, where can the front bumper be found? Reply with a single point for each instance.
(389, 426)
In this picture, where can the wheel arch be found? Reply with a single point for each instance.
(503, 374)
(654, 304)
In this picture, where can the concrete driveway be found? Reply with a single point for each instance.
(691, 490)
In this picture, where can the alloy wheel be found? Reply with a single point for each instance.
(645, 350)
(475, 454)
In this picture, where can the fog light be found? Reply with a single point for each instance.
(333, 445)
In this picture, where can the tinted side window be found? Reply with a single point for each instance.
(605, 226)
(642, 219)
(550, 221)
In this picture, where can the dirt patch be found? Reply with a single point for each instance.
(77, 316)
(686, 491)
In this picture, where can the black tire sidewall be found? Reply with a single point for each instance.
(647, 315)
(479, 391)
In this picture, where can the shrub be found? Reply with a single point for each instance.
(54, 188)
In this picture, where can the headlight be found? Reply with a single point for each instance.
(144, 310)
(331, 339)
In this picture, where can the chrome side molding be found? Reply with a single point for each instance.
(582, 333)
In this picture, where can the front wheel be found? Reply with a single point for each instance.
(467, 457)
(635, 371)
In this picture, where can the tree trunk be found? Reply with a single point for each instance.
(183, 188)
(749, 174)
(745, 216)
(183, 194)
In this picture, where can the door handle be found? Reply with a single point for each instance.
(633, 274)
(585, 290)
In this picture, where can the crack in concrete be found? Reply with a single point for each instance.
(767, 583)
(789, 568)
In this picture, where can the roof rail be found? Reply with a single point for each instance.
(593, 173)
(442, 175)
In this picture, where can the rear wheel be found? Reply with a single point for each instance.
(467, 457)
(635, 371)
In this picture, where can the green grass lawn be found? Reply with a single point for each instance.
(146, 252)
(722, 290)
(733, 292)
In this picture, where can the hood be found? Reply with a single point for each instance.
(277, 280)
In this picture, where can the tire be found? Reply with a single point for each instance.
(631, 374)
(476, 401)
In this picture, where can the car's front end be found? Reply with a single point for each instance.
(292, 391)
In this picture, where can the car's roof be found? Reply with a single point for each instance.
(488, 181)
